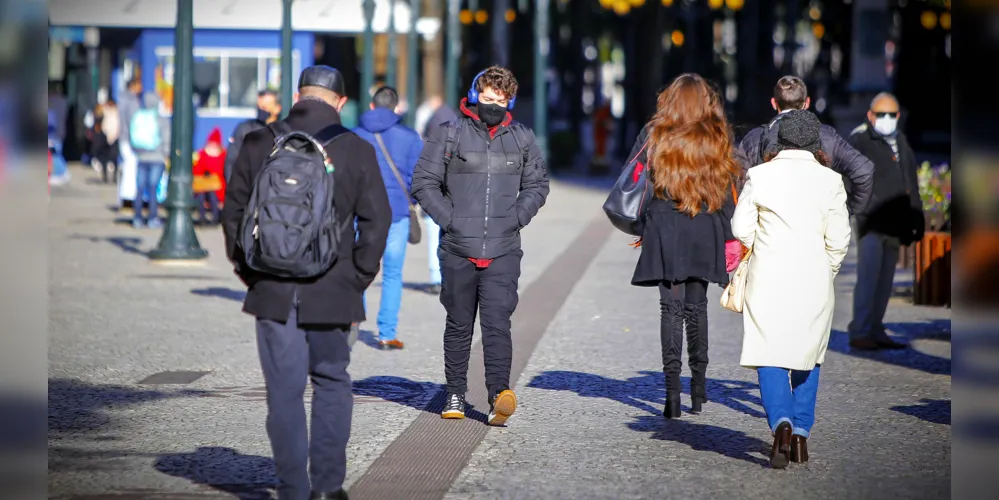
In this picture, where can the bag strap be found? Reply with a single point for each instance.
(524, 151)
(451, 145)
(398, 176)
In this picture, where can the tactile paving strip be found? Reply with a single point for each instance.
(423, 462)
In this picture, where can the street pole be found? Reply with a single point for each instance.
(368, 70)
(393, 52)
(453, 53)
(179, 243)
(412, 56)
(286, 58)
(540, 75)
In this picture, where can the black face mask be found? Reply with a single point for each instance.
(263, 115)
(491, 114)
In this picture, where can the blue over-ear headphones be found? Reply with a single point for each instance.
(473, 93)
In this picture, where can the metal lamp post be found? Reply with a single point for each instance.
(286, 58)
(179, 243)
(393, 53)
(541, 41)
(368, 73)
(412, 56)
(453, 53)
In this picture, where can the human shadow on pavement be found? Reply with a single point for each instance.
(221, 292)
(127, 244)
(424, 396)
(935, 411)
(910, 357)
(648, 391)
(247, 477)
(398, 390)
(82, 428)
(702, 437)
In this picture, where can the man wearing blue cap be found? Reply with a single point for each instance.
(303, 324)
(482, 179)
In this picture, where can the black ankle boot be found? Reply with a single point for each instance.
(672, 409)
(697, 353)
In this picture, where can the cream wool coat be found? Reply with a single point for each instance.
(792, 213)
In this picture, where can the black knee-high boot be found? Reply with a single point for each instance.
(697, 352)
(671, 337)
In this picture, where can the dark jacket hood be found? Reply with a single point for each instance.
(379, 120)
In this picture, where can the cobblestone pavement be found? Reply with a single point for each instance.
(589, 425)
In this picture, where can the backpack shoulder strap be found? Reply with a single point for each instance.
(517, 130)
(453, 134)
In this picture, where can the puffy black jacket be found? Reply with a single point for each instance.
(856, 169)
(493, 186)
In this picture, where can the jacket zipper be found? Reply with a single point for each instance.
(485, 230)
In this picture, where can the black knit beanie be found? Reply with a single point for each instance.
(799, 129)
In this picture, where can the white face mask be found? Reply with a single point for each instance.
(886, 125)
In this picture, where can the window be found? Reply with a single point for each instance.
(226, 81)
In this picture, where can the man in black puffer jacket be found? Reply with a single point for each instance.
(482, 179)
(857, 171)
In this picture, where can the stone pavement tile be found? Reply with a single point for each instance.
(116, 319)
(590, 422)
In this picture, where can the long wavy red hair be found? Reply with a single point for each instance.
(690, 147)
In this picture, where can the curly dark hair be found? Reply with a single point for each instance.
(499, 79)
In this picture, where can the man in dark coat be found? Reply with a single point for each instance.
(894, 218)
(857, 171)
(268, 111)
(490, 185)
(441, 115)
(302, 325)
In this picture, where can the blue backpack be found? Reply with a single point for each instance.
(144, 130)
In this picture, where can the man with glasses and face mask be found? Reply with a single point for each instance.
(482, 178)
(893, 218)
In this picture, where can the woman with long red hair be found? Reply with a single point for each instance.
(689, 154)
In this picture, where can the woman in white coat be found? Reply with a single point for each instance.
(792, 215)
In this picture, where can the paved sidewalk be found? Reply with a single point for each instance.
(589, 425)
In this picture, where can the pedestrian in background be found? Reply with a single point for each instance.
(302, 324)
(268, 111)
(149, 137)
(398, 148)
(790, 93)
(482, 205)
(688, 150)
(792, 216)
(894, 218)
(439, 113)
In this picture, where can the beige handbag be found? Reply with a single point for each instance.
(733, 297)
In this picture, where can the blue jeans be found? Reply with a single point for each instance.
(147, 178)
(433, 241)
(58, 161)
(789, 396)
(392, 261)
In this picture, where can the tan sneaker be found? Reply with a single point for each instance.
(502, 407)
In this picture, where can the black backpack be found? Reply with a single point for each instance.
(290, 225)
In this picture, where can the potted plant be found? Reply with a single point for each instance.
(931, 285)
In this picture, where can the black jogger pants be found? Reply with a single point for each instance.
(491, 292)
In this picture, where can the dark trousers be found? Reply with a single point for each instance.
(289, 354)
(877, 256)
(680, 304)
(492, 292)
(213, 201)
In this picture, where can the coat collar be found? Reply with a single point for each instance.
(315, 110)
(795, 154)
